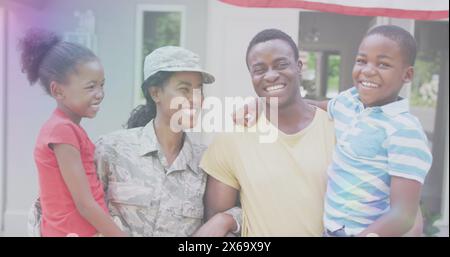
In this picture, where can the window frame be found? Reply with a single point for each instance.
(141, 9)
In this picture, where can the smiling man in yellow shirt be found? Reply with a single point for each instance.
(281, 184)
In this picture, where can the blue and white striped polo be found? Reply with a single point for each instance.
(372, 145)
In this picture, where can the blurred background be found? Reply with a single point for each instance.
(123, 32)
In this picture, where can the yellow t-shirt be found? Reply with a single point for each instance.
(282, 184)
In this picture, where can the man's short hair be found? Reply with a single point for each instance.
(403, 38)
(271, 34)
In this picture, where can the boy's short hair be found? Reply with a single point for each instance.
(271, 34)
(402, 37)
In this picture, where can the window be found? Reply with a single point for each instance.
(429, 102)
(320, 74)
(84, 34)
(309, 74)
(333, 71)
(157, 25)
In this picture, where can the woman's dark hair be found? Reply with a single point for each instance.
(46, 58)
(143, 114)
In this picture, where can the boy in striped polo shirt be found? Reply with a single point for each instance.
(381, 156)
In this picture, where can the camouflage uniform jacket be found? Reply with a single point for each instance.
(147, 196)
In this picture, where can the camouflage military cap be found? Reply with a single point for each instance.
(174, 58)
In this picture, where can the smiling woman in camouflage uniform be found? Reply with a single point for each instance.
(151, 174)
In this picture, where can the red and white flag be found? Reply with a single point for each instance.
(407, 9)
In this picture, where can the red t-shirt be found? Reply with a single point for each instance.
(59, 213)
